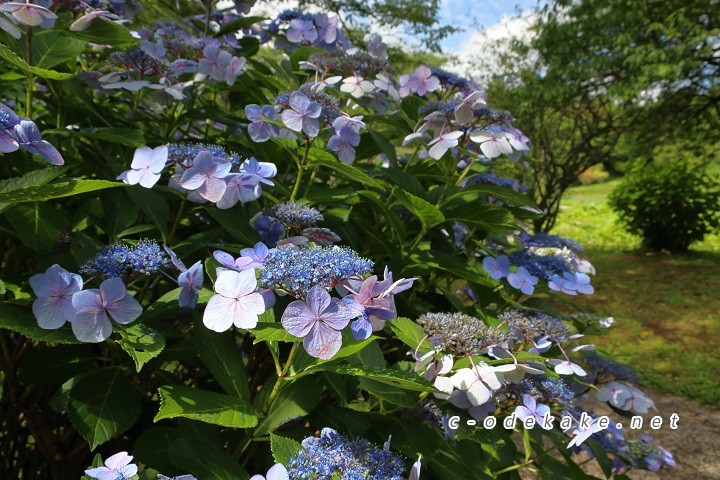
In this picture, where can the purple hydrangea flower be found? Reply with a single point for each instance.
(421, 82)
(319, 320)
(30, 138)
(566, 367)
(497, 267)
(215, 63)
(260, 130)
(117, 467)
(190, 280)
(146, 167)
(237, 264)
(371, 299)
(531, 408)
(257, 254)
(302, 115)
(376, 47)
(571, 283)
(327, 28)
(523, 281)
(206, 176)
(343, 142)
(300, 30)
(264, 171)
(464, 113)
(234, 69)
(54, 289)
(236, 302)
(240, 187)
(91, 323)
(276, 472)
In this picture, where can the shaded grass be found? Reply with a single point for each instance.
(667, 308)
(667, 314)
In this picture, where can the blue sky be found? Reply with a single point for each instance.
(472, 15)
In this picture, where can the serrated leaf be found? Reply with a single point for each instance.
(10, 57)
(283, 448)
(295, 399)
(21, 320)
(104, 33)
(235, 225)
(221, 356)
(428, 213)
(409, 333)
(484, 216)
(209, 407)
(51, 49)
(102, 405)
(407, 381)
(153, 204)
(389, 393)
(37, 225)
(141, 343)
(67, 188)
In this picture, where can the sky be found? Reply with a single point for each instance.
(474, 16)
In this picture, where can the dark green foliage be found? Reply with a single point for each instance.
(669, 206)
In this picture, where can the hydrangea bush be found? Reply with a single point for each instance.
(259, 250)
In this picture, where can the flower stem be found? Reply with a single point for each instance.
(30, 77)
(281, 377)
(177, 220)
(301, 168)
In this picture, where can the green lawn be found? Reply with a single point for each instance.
(667, 308)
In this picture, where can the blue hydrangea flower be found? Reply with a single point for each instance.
(301, 30)
(571, 283)
(497, 267)
(8, 120)
(54, 289)
(303, 114)
(269, 228)
(260, 130)
(335, 456)
(295, 215)
(119, 260)
(236, 302)
(240, 187)
(117, 467)
(190, 280)
(345, 138)
(318, 321)
(523, 281)
(29, 137)
(91, 323)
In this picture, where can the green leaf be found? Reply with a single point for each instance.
(295, 399)
(411, 106)
(205, 460)
(104, 33)
(407, 381)
(409, 333)
(451, 264)
(21, 320)
(12, 58)
(380, 205)
(67, 188)
(37, 225)
(389, 393)
(102, 405)
(265, 332)
(235, 225)
(52, 49)
(141, 343)
(167, 305)
(485, 216)
(123, 136)
(428, 213)
(209, 407)
(54, 365)
(238, 24)
(153, 204)
(348, 172)
(283, 448)
(221, 356)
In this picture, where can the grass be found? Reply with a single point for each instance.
(667, 308)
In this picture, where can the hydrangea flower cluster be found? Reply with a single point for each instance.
(16, 132)
(121, 260)
(202, 173)
(296, 223)
(305, 29)
(548, 257)
(332, 455)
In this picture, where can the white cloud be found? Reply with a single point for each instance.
(478, 56)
